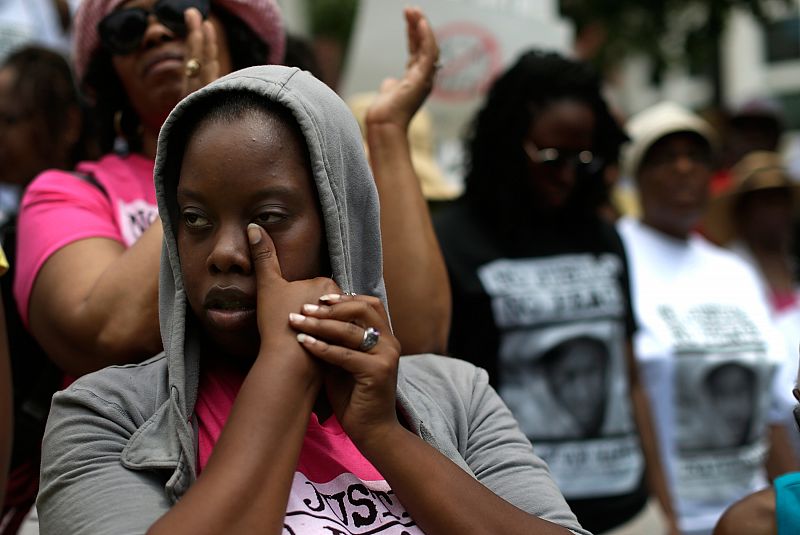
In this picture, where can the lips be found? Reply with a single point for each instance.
(230, 308)
(164, 60)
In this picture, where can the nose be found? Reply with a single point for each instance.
(156, 33)
(230, 252)
(684, 163)
(567, 174)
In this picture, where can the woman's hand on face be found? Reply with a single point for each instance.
(361, 385)
(399, 100)
(201, 46)
(277, 298)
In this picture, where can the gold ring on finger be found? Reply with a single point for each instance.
(192, 67)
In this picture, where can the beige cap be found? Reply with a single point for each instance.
(420, 137)
(758, 170)
(648, 126)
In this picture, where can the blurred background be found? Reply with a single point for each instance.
(719, 57)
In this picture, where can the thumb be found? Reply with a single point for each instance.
(263, 255)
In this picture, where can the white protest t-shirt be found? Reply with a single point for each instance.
(787, 320)
(709, 355)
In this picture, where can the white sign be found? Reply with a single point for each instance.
(478, 39)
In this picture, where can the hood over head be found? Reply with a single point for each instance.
(344, 183)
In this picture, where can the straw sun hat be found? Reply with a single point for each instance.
(759, 170)
(647, 127)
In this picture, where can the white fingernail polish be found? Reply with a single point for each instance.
(305, 339)
(310, 309)
(330, 297)
(296, 317)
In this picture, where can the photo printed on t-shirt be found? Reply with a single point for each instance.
(563, 372)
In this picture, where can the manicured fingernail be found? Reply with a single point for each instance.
(296, 317)
(306, 339)
(310, 309)
(253, 233)
(331, 298)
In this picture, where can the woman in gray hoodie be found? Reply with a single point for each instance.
(280, 402)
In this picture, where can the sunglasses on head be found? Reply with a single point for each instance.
(121, 31)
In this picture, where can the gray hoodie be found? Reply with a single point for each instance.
(121, 444)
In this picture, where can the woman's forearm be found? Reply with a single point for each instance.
(442, 498)
(417, 285)
(95, 303)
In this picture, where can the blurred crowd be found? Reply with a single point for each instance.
(628, 284)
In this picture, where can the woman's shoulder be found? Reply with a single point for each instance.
(753, 515)
(100, 174)
(453, 220)
(130, 389)
(441, 384)
(719, 260)
(438, 371)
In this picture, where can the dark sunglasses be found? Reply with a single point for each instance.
(580, 160)
(121, 31)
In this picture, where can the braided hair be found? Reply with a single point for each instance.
(497, 166)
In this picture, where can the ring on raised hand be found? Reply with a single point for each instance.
(351, 294)
(192, 67)
(371, 336)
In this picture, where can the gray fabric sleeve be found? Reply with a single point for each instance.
(85, 489)
(502, 458)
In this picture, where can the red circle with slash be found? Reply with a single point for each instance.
(470, 59)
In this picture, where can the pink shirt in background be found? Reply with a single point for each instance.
(59, 208)
(335, 488)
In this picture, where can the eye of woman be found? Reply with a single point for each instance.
(270, 217)
(194, 220)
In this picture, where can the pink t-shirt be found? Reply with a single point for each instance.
(59, 208)
(336, 490)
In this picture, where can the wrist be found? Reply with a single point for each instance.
(292, 363)
(382, 440)
(386, 129)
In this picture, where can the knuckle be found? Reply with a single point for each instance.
(354, 330)
(372, 300)
(384, 367)
(360, 307)
(326, 285)
(262, 255)
(332, 286)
